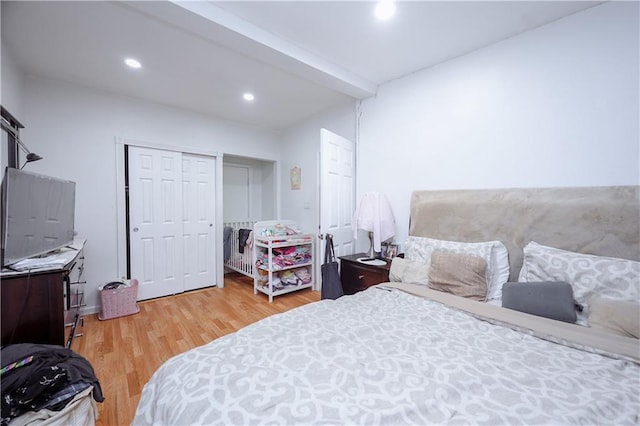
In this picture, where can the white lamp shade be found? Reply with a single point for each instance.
(374, 214)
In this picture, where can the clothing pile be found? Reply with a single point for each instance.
(245, 239)
(277, 230)
(37, 377)
(285, 257)
(288, 278)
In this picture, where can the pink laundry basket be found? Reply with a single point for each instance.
(119, 302)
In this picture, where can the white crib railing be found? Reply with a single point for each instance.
(239, 262)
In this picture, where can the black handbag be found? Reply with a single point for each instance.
(331, 284)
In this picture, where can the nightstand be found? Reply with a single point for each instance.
(357, 276)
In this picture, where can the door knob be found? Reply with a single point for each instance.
(135, 229)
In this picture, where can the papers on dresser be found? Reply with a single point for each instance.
(55, 260)
(49, 262)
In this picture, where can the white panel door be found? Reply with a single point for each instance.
(337, 192)
(198, 218)
(155, 221)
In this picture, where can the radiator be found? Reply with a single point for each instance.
(239, 262)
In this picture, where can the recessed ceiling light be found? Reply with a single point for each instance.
(132, 63)
(385, 9)
(248, 97)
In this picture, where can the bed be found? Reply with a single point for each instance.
(405, 353)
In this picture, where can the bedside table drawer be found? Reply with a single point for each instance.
(356, 276)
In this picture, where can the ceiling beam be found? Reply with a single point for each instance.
(208, 21)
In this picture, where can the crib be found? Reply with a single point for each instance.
(233, 259)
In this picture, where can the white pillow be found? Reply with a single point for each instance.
(408, 271)
(493, 252)
(620, 317)
(500, 265)
(588, 274)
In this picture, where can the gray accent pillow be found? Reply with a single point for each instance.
(549, 299)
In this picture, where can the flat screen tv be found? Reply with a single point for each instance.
(37, 214)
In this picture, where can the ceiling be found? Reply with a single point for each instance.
(297, 58)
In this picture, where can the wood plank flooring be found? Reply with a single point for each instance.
(125, 351)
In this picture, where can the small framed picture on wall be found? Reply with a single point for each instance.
(296, 178)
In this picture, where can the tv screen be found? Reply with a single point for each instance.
(38, 214)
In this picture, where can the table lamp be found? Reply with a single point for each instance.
(373, 214)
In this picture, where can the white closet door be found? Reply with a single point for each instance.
(198, 218)
(155, 221)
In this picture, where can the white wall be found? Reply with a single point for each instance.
(301, 147)
(556, 106)
(262, 198)
(10, 97)
(11, 86)
(268, 190)
(74, 129)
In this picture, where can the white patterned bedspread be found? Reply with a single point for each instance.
(387, 357)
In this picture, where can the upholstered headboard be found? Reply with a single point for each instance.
(596, 220)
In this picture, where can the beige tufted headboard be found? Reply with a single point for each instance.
(596, 220)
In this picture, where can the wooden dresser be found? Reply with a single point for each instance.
(43, 306)
(357, 276)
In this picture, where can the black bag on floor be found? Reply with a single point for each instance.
(331, 284)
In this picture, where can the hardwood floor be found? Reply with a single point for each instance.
(125, 351)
